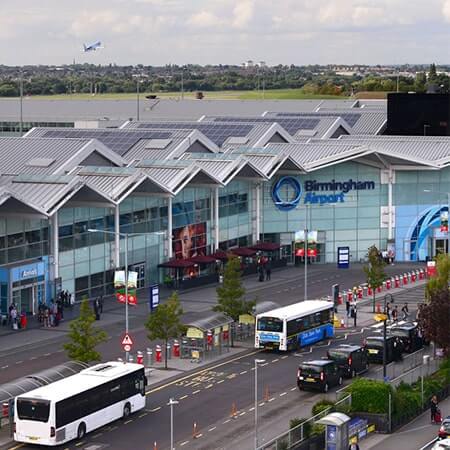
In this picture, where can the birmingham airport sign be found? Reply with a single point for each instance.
(287, 192)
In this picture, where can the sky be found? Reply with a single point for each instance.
(158, 32)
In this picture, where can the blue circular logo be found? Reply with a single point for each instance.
(287, 204)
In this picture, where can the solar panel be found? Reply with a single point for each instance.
(218, 133)
(350, 118)
(117, 140)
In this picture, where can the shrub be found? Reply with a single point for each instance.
(283, 445)
(317, 429)
(295, 421)
(322, 405)
(407, 402)
(370, 396)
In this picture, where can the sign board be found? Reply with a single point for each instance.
(119, 285)
(153, 296)
(127, 342)
(343, 257)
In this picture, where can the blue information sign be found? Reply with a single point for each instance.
(153, 299)
(343, 257)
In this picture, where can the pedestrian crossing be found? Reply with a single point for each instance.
(378, 327)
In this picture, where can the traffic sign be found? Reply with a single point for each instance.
(127, 348)
(127, 340)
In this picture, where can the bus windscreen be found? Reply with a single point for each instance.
(29, 409)
(270, 324)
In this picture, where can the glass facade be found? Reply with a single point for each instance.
(332, 203)
(13, 128)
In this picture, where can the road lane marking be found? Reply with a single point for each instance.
(212, 429)
(285, 356)
(155, 409)
(275, 360)
(220, 381)
(16, 447)
(184, 443)
(271, 399)
(47, 354)
(128, 421)
(428, 444)
(209, 386)
(19, 362)
(184, 396)
(142, 415)
(242, 413)
(243, 372)
(97, 435)
(187, 377)
(233, 375)
(199, 435)
(33, 357)
(79, 444)
(262, 403)
(282, 394)
(5, 367)
(226, 421)
(196, 392)
(265, 364)
(293, 389)
(251, 409)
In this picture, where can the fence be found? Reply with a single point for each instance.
(394, 370)
(414, 374)
(304, 430)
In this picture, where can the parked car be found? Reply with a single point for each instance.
(409, 335)
(442, 445)
(374, 347)
(351, 359)
(319, 374)
(444, 429)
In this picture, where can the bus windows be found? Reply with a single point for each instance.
(37, 410)
(270, 324)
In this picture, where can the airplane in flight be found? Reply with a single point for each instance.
(92, 47)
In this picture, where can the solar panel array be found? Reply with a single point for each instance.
(117, 140)
(350, 118)
(218, 133)
(290, 124)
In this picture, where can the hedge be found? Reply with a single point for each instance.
(370, 396)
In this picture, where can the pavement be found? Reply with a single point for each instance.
(418, 434)
(206, 392)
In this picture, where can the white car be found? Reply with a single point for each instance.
(442, 445)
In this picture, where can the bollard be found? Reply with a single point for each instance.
(369, 290)
(388, 284)
(379, 289)
(378, 308)
(158, 354)
(397, 282)
(360, 292)
(149, 357)
(349, 295)
(140, 358)
(405, 279)
(169, 353)
(413, 277)
(130, 358)
(234, 411)
(421, 274)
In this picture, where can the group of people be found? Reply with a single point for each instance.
(51, 315)
(393, 313)
(264, 268)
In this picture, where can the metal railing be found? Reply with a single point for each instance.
(415, 373)
(395, 369)
(305, 429)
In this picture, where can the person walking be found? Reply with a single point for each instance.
(388, 311)
(268, 272)
(96, 309)
(433, 408)
(395, 314)
(405, 311)
(353, 446)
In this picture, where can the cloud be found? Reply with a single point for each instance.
(204, 19)
(243, 13)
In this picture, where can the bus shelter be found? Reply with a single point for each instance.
(12, 389)
(207, 335)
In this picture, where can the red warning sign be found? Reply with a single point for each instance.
(127, 340)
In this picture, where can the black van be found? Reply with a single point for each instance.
(319, 374)
(408, 333)
(374, 347)
(351, 359)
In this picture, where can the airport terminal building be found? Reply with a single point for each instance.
(187, 193)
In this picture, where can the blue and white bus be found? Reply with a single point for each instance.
(295, 326)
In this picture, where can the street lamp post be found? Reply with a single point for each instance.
(257, 361)
(125, 236)
(171, 403)
(306, 253)
(137, 98)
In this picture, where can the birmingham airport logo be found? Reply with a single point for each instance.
(287, 191)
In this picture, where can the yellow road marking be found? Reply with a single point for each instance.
(187, 377)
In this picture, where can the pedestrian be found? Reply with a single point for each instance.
(55, 314)
(433, 408)
(268, 272)
(347, 306)
(395, 314)
(388, 311)
(101, 304)
(261, 273)
(353, 446)
(405, 311)
(354, 313)
(13, 314)
(96, 309)
(46, 316)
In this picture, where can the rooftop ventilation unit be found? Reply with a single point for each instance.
(238, 140)
(157, 144)
(40, 162)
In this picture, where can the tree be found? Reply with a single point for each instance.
(165, 322)
(231, 292)
(440, 281)
(84, 337)
(375, 274)
(434, 319)
(432, 74)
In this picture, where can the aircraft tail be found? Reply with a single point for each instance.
(84, 47)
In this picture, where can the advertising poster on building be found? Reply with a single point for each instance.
(189, 241)
(444, 221)
(119, 286)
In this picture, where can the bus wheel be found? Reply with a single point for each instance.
(81, 431)
(126, 410)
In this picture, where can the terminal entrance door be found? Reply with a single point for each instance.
(27, 297)
(440, 246)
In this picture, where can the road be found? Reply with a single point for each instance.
(207, 395)
(20, 355)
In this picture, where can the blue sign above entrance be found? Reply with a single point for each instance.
(287, 191)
